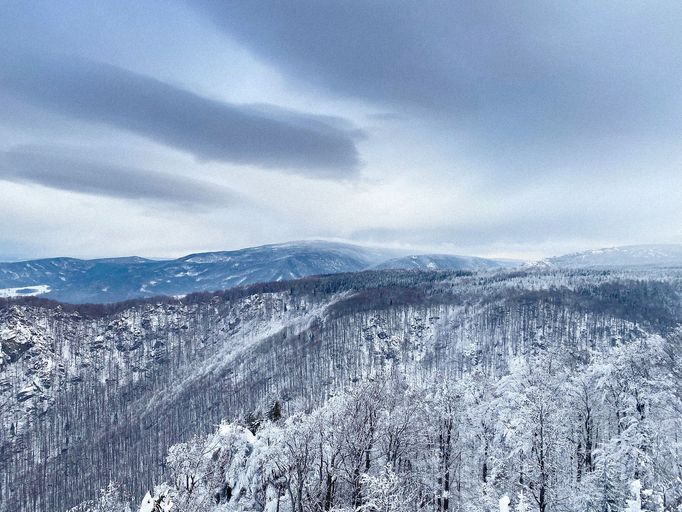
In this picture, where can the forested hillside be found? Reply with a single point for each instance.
(555, 390)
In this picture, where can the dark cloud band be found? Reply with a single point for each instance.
(316, 146)
(55, 170)
(524, 83)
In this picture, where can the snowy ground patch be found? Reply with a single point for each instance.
(25, 291)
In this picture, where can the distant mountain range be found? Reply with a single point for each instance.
(116, 279)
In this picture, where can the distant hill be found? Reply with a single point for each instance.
(624, 256)
(442, 262)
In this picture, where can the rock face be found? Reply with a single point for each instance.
(93, 394)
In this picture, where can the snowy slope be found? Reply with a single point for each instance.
(625, 256)
(441, 262)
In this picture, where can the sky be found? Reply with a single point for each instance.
(160, 128)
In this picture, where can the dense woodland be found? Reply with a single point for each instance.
(554, 390)
(552, 434)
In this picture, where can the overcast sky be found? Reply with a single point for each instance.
(494, 128)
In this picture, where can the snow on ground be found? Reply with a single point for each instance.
(24, 291)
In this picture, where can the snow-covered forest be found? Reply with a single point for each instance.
(554, 433)
(538, 390)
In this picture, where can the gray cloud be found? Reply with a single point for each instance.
(540, 126)
(56, 170)
(315, 146)
(526, 84)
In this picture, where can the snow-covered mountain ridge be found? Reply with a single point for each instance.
(116, 279)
